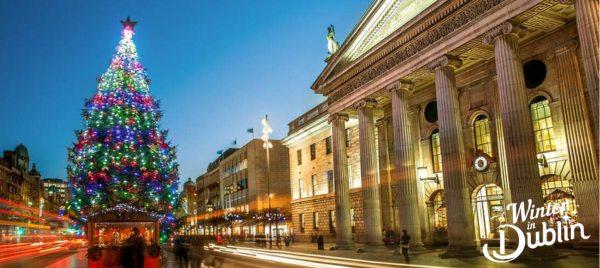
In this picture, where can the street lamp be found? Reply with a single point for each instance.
(267, 145)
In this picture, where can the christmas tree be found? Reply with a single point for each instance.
(121, 161)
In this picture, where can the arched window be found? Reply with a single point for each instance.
(483, 140)
(439, 204)
(436, 152)
(542, 125)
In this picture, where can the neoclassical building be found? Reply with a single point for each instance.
(460, 108)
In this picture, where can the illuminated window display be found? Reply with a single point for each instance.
(489, 208)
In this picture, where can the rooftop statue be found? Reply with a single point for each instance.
(332, 45)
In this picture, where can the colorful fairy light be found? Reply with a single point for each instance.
(121, 159)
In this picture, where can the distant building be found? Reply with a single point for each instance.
(56, 193)
(232, 196)
(18, 184)
(22, 186)
(188, 209)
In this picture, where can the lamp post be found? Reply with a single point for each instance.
(267, 145)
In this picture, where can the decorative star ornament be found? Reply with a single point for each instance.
(152, 147)
(128, 24)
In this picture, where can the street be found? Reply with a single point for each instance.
(233, 257)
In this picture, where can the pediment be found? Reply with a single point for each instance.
(382, 19)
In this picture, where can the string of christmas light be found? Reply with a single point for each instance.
(121, 156)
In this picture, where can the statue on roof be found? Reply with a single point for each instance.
(332, 45)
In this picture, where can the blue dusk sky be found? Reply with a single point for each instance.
(217, 68)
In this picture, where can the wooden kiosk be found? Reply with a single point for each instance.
(109, 230)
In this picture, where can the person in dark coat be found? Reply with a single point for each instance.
(133, 250)
(321, 243)
(404, 244)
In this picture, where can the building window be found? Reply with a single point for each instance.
(299, 154)
(542, 125)
(436, 152)
(439, 204)
(482, 134)
(352, 221)
(313, 152)
(332, 221)
(302, 223)
(328, 145)
(316, 220)
(314, 185)
(348, 137)
(300, 188)
(330, 183)
(243, 184)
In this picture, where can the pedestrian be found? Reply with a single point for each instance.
(133, 250)
(321, 243)
(404, 245)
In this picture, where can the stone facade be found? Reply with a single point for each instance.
(237, 183)
(508, 78)
(18, 183)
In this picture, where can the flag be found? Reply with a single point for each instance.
(250, 130)
(220, 152)
(234, 142)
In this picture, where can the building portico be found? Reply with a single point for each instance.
(480, 117)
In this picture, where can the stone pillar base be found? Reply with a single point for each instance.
(460, 252)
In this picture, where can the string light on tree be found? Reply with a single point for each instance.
(121, 159)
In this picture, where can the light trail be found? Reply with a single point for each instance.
(22, 250)
(21, 214)
(310, 260)
(32, 209)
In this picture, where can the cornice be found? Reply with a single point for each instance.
(419, 24)
(438, 26)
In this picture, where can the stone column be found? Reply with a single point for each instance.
(408, 207)
(506, 192)
(385, 175)
(415, 114)
(461, 232)
(586, 15)
(580, 146)
(431, 219)
(343, 229)
(368, 172)
(519, 143)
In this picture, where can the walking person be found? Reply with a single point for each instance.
(404, 245)
(133, 250)
(321, 243)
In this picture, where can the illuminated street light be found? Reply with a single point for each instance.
(268, 145)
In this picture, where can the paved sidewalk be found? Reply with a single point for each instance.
(575, 258)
